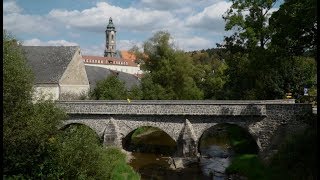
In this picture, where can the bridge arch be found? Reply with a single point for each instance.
(134, 126)
(67, 124)
(230, 129)
(153, 139)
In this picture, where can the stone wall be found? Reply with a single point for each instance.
(121, 68)
(166, 108)
(75, 80)
(185, 121)
(46, 92)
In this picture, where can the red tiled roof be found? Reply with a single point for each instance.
(107, 60)
(128, 55)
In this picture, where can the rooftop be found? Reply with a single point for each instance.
(126, 59)
(96, 74)
(48, 62)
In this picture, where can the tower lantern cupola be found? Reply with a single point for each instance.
(110, 49)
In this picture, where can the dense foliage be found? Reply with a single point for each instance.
(81, 156)
(268, 55)
(33, 145)
(109, 88)
(169, 72)
(27, 128)
(296, 158)
(261, 64)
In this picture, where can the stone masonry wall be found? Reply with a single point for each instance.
(268, 123)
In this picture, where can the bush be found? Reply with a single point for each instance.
(110, 88)
(33, 146)
(248, 165)
(122, 171)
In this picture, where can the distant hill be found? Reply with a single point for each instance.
(217, 53)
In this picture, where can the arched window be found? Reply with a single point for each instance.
(111, 36)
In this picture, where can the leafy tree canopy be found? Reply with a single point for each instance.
(170, 71)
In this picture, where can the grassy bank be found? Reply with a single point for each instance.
(296, 159)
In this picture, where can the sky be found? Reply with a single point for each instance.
(193, 24)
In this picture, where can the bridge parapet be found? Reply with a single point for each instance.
(233, 108)
(269, 121)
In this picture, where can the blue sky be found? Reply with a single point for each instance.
(194, 24)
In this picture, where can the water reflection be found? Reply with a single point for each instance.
(157, 167)
(211, 165)
(214, 161)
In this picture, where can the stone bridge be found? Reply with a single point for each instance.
(268, 121)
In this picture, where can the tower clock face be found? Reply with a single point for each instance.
(112, 41)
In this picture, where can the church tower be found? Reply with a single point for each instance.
(110, 49)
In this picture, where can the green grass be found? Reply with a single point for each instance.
(248, 165)
(123, 171)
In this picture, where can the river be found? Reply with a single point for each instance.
(215, 154)
(211, 164)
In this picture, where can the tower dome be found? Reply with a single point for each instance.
(110, 48)
(110, 25)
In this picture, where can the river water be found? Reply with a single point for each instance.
(211, 165)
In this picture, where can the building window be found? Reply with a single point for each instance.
(111, 36)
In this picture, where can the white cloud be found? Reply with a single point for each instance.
(96, 18)
(74, 35)
(165, 4)
(38, 42)
(18, 23)
(185, 10)
(15, 22)
(93, 50)
(128, 44)
(10, 7)
(210, 18)
(193, 43)
(181, 18)
(99, 50)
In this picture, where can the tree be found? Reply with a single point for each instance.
(110, 88)
(33, 145)
(294, 28)
(210, 74)
(27, 127)
(170, 71)
(249, 19)
(17, 80)
(258, 52)
(135, 93)
(80, 155)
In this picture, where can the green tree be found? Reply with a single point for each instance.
(27, 127)
(249, 19)
(80, 155)
(294, 28)
(169, 72)
(34, 147)
(135, 93)
(110, 88)
(210, 74)
(257, 64)
(251, 67)
(17, 80)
